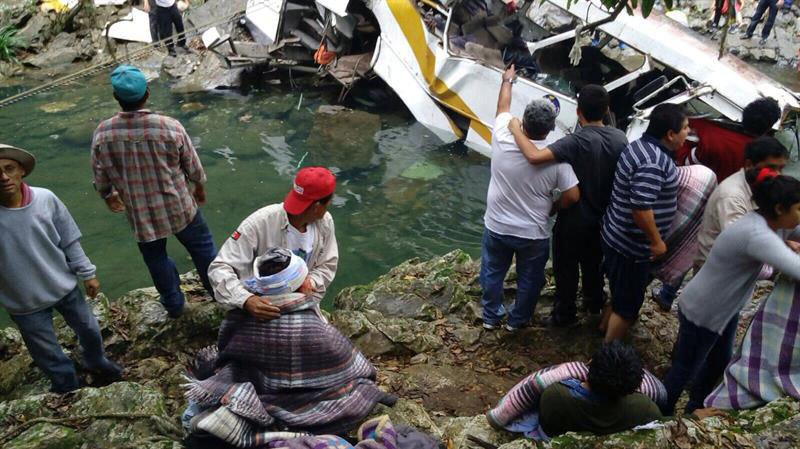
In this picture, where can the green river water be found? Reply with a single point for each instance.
(401, 195)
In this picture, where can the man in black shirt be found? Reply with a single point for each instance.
(592, 151)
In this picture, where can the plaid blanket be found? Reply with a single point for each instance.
(376, 433)
(296, 371)
(767, 365)
(524, 397)
(695, 184)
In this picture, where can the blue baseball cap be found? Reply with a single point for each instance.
(129, 83)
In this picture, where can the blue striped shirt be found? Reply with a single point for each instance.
(646, 178)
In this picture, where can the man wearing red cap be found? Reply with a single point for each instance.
(301, 223)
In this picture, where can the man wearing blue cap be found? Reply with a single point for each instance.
(144, 164)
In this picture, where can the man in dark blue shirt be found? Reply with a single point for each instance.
(643, 204)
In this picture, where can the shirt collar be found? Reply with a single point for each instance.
(140, 111)
(657, 142)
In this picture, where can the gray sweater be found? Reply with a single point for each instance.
(726, 281)
(40, 254)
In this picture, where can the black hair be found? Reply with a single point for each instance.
(593, 102)
(772, 191)
(325, 200)
(757, 150)
(759, 116)
(666, 117)
(273, 266)
(128, 106)
(615, 371)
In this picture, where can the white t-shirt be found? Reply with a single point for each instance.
(301, 243)
(165, 3)
(521, 194)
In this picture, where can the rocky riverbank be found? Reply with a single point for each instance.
(49, 44)
(419, 324)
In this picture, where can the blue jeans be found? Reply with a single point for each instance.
(700, 357)
(196, 238)
(496, 253)
(761, 8)
(40, 339)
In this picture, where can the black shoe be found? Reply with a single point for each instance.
(747, 37)
(552, 321)
(172, 52)
(175, 313)
(763, 41)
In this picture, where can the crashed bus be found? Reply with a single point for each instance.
(444, 59)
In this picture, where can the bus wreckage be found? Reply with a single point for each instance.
(444, 58)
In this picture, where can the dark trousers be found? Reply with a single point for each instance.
(496, 253)
(197, 240)
(762, 7)
(700, 357)
(628, 279)
(718, 4)
(40, 339)
(577, 250)
(167, 17)
(153, 16)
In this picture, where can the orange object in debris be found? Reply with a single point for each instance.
(322, 56)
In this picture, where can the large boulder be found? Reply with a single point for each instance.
(209, 74)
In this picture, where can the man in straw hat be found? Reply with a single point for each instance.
(301, 223)
(41, 256)
(144, 164)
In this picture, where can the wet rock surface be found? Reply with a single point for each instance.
(420, 325)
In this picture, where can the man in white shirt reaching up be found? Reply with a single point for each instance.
(520, 200)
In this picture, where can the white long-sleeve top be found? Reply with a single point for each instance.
(726, 281)
(263, 229)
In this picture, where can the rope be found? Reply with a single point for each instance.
(102, 66)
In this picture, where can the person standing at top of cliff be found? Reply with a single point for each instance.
(518, 204)
(592, 151)
(643, 204)
(167, 15)
(301, 223)
(143, 164)
(761, 8)
(42, 259)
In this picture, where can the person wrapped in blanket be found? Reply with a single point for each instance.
(295, 372)
(610, 394)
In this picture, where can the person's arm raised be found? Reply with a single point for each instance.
(504, 99)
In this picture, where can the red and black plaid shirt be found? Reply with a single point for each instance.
(147, 158)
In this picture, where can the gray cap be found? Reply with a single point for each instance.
(26, 159)
(540, 114)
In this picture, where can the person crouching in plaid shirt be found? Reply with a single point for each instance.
(143, 164)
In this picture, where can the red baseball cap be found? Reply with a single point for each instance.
(310, 184)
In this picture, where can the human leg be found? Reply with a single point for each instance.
(565, 272)
(628, 279)
(80, 318)
(717, 12)
(531, 257)
(761, 8)
(177, 21)
(693, 345)
(495, 261)
(773, 13)
(591, 263)
(40, 339)
(714, 367)
(153, 16)
(164, 274)
(197, 239)
(164, 16)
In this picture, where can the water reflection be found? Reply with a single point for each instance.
(250, 146)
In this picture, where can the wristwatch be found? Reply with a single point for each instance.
(510, 81)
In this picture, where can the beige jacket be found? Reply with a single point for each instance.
(728, 202)
(263, 229)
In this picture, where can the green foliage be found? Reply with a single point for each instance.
(8, 44)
